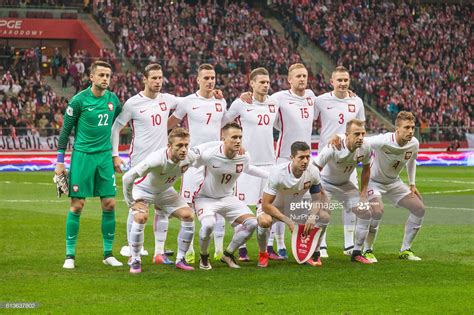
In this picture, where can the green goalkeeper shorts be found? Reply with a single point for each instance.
(91, 175)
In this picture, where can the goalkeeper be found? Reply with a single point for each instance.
(91, 113)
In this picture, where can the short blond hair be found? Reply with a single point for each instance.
(355, 121)
(295, 66)
(177, 133)
(340, 69)
(403, 116)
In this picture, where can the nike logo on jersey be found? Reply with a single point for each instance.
(195, 107)
(71, 237)
(91, 109)
(329, 107)
(249, 110)
(291, 103)
(215, 166)
(142, 111)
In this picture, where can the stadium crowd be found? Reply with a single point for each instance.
(180, 37)
(28, 104)
(391, 62)
(403, 56)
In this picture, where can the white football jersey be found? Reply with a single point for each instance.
(157, 172)
(295, 119)
(257, 121)
(390, 158)
(220, 172)
(286, 187)
(148, 119)
(338, 165)
(335, 113)
(204, 117)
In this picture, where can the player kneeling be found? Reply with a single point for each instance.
(223, 165)
(158, 173)
(282, 200)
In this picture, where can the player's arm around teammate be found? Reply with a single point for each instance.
(159, 171)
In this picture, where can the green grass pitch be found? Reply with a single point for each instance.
(32, 252)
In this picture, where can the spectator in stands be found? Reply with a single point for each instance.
(56, 62)
(453, 146)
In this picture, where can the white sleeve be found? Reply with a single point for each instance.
(411, 168)
(315, 175)
(272, 184)
(180, 111)
(256, 171)
(361, 113)
(232, 113)
(175, 101)
(375, 142)
(195, 152)
(125, 115)
(323, 157)
(127, 184)
(317, 109)
(115, 137)
(367, 156)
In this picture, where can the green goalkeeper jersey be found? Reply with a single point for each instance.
(92, 118)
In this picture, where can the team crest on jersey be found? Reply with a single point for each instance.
(241, 197)
(239, 168)
(111, 106)
(75, 188)
(218, 107)
(360, 158)
(163, 106)
(186, 194)
(271, 108)
(408, 155)
(351, 108)
(310, 101)
(307, 185)
(184, 168)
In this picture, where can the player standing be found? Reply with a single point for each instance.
(257, 121)
(287, 185)
(204, 113)
(91, 113)
(335, 109)
(336, 171)
(147, 112)
(295, 123)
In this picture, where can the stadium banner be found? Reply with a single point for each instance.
(31, 143)
(45, 161)
(74, 30)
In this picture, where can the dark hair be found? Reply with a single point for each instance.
(231, 124)
(299, 146)
(99, 63)
(151, 67)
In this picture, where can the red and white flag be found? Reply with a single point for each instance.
(303, 245)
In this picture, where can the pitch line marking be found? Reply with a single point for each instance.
(446, 191)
